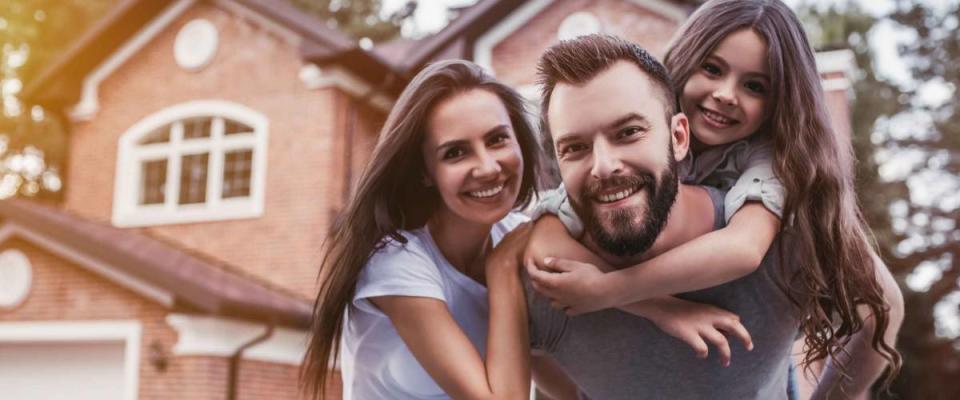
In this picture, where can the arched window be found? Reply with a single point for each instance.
(195, 161)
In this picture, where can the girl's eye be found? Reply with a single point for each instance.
(756, 87)
(452, 153)
(711, 69)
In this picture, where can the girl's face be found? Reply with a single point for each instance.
(726, 97)
(472, 156)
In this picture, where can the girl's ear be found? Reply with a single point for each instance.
(680, 135)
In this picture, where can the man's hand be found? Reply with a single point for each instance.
(696, 324)
(572, 286)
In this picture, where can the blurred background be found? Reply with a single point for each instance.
(903, 113)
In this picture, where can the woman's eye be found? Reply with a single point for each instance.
(711, 69)
(498, 139)
(453, 153)
(756, 87)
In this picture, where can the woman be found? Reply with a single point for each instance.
(402, 300)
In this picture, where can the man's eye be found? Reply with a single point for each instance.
(756, 87)
(571, 149)
(711, 69)
(453, 153)
(629, 131)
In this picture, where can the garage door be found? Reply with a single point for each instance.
(62, 370)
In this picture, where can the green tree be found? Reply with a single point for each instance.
(358, 18)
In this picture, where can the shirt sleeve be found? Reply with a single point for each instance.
(399, 270)
(557, 202)
(757, 182)
(547, 324)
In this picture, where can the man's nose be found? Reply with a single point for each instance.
(606, 162)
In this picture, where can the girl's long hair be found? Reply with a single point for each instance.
(833, 246)
(390, 196)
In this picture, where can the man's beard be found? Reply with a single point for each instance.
(624, 235)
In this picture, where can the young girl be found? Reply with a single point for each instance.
(746, 78)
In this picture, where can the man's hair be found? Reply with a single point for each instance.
(579, 60)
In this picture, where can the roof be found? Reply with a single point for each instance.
(197, 283)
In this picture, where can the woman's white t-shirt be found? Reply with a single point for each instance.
(375, 363)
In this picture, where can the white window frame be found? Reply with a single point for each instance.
(127, 210)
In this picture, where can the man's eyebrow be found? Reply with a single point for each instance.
(628, 118)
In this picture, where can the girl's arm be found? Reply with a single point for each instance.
(709, 260)
(445, 351)
(695, 324)
(552, 381)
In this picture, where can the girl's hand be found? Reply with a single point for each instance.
(696, 324)
(507, 254)
(573, 287)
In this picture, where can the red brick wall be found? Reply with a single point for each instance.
(515, 58)
(255, 68)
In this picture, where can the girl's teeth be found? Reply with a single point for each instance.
(717, 118)
(488, 193)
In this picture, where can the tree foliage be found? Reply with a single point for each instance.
(914, 213)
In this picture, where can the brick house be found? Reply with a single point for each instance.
(211, 142)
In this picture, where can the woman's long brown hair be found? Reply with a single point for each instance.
(390, 196)
(830, 239)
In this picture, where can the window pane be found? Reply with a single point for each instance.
(236, 173)
(196, 128)
(234, 127)
(193, 178)
(160, 135)
(154, 182)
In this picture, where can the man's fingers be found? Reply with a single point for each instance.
(733, 326)
(717, 338)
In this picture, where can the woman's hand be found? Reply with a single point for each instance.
(696, 324)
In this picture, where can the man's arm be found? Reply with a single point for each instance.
(861, 361)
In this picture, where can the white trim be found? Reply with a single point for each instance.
(843, 60)
(127, 331)
(18, 265)
(833, 84)
(314, 78)
(127, 211)
(483, 49)
(89, 103)
(98, 267)
(221, 337)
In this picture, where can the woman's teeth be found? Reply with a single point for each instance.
(488, 192)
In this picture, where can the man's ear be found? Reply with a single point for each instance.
(680, 135)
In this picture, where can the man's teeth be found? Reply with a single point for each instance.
(608, 198)
(489, 192)
(720, 119)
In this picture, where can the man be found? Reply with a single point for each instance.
(611, 120)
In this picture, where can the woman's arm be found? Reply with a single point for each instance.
(709, 260)
(552, 381)
(445, 351)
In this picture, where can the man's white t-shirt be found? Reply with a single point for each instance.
(375, 362)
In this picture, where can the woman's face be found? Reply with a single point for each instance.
(725, 98)
(472, 156)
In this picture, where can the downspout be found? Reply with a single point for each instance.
(234, 366)
(352, 116)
